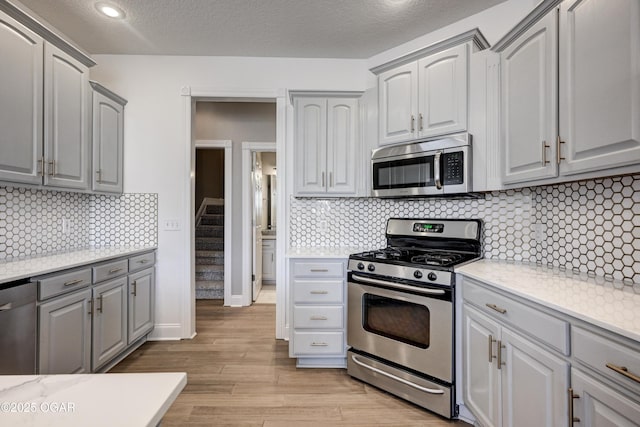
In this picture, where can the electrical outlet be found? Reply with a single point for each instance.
(66, 226)
(539, 231)
(171, 225)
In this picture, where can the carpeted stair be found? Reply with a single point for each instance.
(210, 254)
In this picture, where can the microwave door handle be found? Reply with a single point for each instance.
(436, 171)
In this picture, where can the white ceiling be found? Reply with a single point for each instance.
(277, 28)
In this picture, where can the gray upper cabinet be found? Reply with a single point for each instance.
(571, 92)
(108, 140)
(21, 81)
(327, 140)
(529, 104)
(66, 118)
(599, 84)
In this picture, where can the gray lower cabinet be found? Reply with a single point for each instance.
(595, 404)
(109, 321)
(90, 317)
(510, 380)
(527, 365)
(318, 312)
(65, 334)
(141, 297)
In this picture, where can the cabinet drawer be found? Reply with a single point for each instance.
(318, 343)
(139, 262)
(318, 291)
(318, 269)
(597, 351)
(318, 317)
(268, 244)
(110, 270)
(548, 329)
(62, 283)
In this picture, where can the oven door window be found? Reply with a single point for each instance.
(406, 173)
(398, 320)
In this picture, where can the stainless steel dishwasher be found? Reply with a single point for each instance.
(18, 328)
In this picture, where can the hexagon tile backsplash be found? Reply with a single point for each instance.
(31, 221)
(589, 226)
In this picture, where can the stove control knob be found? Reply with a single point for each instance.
(371, 267)
(360, 266)
(417, 274)
(432, 276)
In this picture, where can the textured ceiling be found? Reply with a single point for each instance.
(277, 28)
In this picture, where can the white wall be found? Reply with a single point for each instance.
(155, 127)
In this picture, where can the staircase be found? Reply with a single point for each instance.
(210, 253)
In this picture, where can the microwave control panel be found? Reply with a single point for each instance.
(453, 168)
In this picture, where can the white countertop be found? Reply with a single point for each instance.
(324, 252)
(592, 300)
(42, 264)
(96, 400)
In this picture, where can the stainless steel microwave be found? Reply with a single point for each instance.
(427, 168)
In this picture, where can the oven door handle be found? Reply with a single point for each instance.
(393, 377)
(398, 285)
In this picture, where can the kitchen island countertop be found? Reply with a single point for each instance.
(606, 304)
(88, 399)
(24, 268)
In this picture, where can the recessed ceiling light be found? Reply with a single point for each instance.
(110, 10)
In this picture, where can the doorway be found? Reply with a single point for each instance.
(238, 294)
(259, 225)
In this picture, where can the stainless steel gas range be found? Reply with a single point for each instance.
(401, 309)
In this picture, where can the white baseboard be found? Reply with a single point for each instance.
(166, 332)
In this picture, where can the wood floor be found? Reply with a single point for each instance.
(239, 375)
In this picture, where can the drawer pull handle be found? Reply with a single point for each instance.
(114, 270)
(622, 370)
(319, 292)
(318, 317)
(143, 261)
(572, 396)
(73, 282)
(393, 377)
(496, 308)
(319, 344)
(319, 270)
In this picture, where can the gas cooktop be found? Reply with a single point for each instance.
(418, 257)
